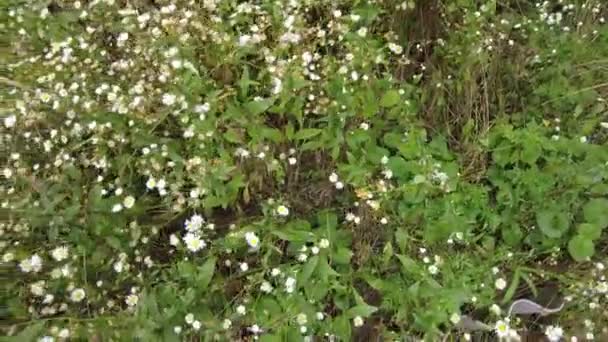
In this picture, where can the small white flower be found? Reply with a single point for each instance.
(33, 264)
(117, 208)
(362, 32)
(455, 318)
(168, 99)
(255, 329)
(502, 329)
(314, 250)
(128, 202)
(395, 48)
(60, 253)
(333, 177)
(275, 272)
(177, 329)
(266, 287)
(252, 240)
(384, 160)
(292, 161)
(433, 269)
(324, 243)
(583, 139)
(10, 121)
(241, 310)
(495, 309)
(194, 223)
(358, 321)
(244, 267)
(282, 210)
(226, 324)
(554, 333)
(500, 284)
(302, 257)
(77, 295)
(8, 257)
(132, 300)
(339, 185)
(301, 319)
(64, 333)
(320, 316)
(118, 266)
(123, 36)
(173, 240)
(193, 242)
(196, 325)
(37, 288)
(189, 318)
(290, 284)
(151, 183)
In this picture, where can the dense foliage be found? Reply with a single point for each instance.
(308, 170)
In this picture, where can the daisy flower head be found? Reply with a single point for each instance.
(77, 295)
(252, 240)
(60, 253)
(282, 210)
(554, 333)
(500, 284)
(358, 321)
(193, 242)
(502, 329)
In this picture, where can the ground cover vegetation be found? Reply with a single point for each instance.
(314, 170)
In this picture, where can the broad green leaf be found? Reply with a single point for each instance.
(390, 98)
(293, 235)
(590, 230)
(308, 270)
(258, 107)
(30, 333)
(596, 211)
(307, 133)
(553, 223)
(342, 256)
(531, 152)
(362, 310)
(342, 328)
(581, 248)
(205, 273)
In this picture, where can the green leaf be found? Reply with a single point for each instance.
(308, 269)
(342, 256)
(408, 265)
(258, 107)
(596, 211)
(269, 338)
(512, 288)
(293, 235)
(581, 248)
(362, 310)
(390, 98)
(307, 133)
(341, 327)
(205, 273)
(30, 333)
(553, 223)
(590, 230)
(531, 152)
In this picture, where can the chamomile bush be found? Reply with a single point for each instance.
(304, 170)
